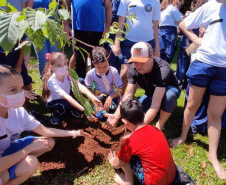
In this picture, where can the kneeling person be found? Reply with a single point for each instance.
(156, 77)
(145, 153)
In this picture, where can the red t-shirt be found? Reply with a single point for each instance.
(150, 146)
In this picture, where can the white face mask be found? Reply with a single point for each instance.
(221, 1)
(14, 101)
(62, 71)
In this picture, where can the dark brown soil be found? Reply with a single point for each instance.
(80, 155)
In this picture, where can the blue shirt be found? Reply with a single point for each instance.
(88, 15)
(41, 4)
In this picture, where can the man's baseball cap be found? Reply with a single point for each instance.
(141, 52)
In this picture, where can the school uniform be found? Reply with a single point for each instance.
(56, 102)
(10, 129)
(168, 31)
(209, 67)
(141, 29)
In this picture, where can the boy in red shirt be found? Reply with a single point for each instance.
(145, 153)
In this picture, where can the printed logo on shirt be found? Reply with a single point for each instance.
(172, 37)
(14, 137)
(137, 51)
(148, 8)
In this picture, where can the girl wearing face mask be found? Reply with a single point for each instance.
(56, 90)
(18, 157)
(168, 22)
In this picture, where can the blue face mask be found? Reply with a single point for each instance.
(14, 101)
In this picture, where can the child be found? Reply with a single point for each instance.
(145, 153)
(102, 78)
(56, 89)
(207, 72)
(18, 157)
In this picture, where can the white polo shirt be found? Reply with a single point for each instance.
(92, 76)
(146, 11)
(212, 16)
(169, 16)
(10, 129)
(57, 88)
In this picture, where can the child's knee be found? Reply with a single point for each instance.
(51, 143)
(28, 165)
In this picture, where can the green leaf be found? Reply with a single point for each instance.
(126, 26)
(84, 50)
(73, 74)
(123, 32)
(38, 39)
(110, 41)
(53, 5)
(27, 49)
(23, 44)
(9, 30)
(11, 8)
(36, 19)
(83, 57)
(106, 36)
(3, 2)
(52, 30)
(121, 38)
(101, 41)
(133, 15)
(23, 25)
(64, 14)
(115, 24)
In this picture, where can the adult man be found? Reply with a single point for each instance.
(88, 25)
(156, 77)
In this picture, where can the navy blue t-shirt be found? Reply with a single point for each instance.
(41, 4)
(88, 15)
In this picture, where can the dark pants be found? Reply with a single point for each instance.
(88, 37)
(62, 106)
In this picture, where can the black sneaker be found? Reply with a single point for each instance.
(38, 116)
(55, 118)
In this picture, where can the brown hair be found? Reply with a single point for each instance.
(197, 3)
(48, 72)
(6, 71)
(99, 55)
(165, 3)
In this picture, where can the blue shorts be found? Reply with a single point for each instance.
(169, 101)
(201, 74)
(14, 147)
(137, 168)
(126, 46)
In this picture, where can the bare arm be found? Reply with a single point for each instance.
(29, 3)
(108, 14)
(155, 105)
(72, 101)
(93, 98)
(66, 25)
(156, 37)
(116, 49)
(52, 132)
(190, 34)
(113, 119)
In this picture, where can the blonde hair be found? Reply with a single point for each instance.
(48, 72)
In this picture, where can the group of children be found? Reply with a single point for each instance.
(145, 153)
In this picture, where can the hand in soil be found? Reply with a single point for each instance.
(111, 157)
(83, 133)
(92, 119)
(111, 121)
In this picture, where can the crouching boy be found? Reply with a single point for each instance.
(145, 153)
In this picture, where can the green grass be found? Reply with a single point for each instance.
(103, 174)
